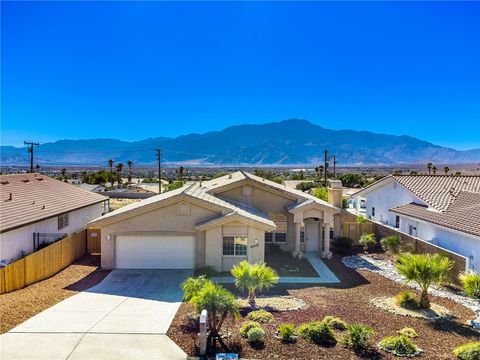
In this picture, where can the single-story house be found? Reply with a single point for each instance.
(91, 187)
(441, 209)
(216, 223)
(36, 208)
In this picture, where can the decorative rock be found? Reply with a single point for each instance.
(387, 269)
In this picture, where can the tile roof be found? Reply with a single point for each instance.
(35, 197)
(463, 214)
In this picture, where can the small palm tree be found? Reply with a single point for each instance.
(434, 169)
(429, 167)
(253, 277)
(64, 174)
(110, 164)
(119, 168)
(129, 163)
(424, 270)
(446, 169)
(192, 286)
(367, 241)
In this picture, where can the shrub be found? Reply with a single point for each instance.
(254, 277)
(335, 322)
(425, 270)
(361, 219)
(391, 243)
(286, 332)
(255, 334)
(471, 283)
(469, 351)
(358, 336)
(408, 332)
(206, 271)
(192, 286)
(317, 332)
(342, 244)
(367, 241)
(260, 316)
(247, 326)
(407, 300)
(399, 345)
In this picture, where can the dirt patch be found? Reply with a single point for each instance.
(351, 301)
(20, 305)
(287, 266)
(275, 303)
(434, 313)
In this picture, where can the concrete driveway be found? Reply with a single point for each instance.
(126, 316)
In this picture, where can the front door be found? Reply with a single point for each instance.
(311, 236)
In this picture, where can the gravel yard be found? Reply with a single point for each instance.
(20, 305)
(349, 300)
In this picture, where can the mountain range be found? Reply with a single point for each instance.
(288, 142)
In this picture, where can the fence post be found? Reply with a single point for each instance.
(203, 333)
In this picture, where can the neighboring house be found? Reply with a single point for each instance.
(37, 208)
(216, 223)
(91, 187)
(441, 209)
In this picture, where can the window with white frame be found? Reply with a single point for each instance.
(62, 221)
(278, 236)
(235, 245)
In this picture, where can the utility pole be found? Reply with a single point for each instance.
(30, 150)
(159, 159)
(325, 155)
(335, 167)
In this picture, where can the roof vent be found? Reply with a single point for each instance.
(43, 207)
(10, 197)
(4, 182)
(26, 181)
(39, 179)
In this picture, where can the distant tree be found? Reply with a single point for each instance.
(301, 175)
(446, 169)
(397, 172)
(110, 164)
(173, 185)
(458, 173)
(321, 193)
(413, 172)
(434, 169)
(37, 167)
(351, 180)
(429, 167)
(180, 173)
(129, 163)
(64, 174)
(119, 169)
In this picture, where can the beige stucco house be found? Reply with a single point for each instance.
(217, 223)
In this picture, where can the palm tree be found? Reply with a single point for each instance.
(320, 171)
(253, 277)
(180, 173)
(446, 169)
(434, 169)
(119, 173)
(429, 167)
(110, 164)
(64, 174)
(425, 270)
(367, 241)
(129, 163)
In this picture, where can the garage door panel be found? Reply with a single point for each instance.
(154, 252)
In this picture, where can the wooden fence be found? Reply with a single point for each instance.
(354, 230)
(94, 240)
(43, 263)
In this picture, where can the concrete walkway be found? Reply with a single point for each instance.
(126, 316)
(325, 275)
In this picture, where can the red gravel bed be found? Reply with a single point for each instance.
(20, 305)
(350, 301)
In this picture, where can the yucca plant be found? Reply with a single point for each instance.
(471, 283)
(253, 277)
(424, 270)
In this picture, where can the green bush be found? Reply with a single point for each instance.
(391, 243)
(470, 351)
(361, 219)
(367, 241)
(255, 334)
(206, 271)
(358, 336)
(335, 322)
(286, 332)
(399, 345)
(260, 316)
(192, 286)
(342, 244)
(407, 300)
(317, 332)
(247, 326)
(408, 332)
(471, 283)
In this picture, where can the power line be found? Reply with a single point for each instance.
(30, 150)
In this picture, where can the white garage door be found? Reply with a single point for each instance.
(154, 252)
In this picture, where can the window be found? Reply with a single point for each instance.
(373, 211)
(235, 245)
(397, 221)
(279, 235)
(302, 236)
(62, 221)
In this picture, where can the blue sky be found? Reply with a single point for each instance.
(132, 70)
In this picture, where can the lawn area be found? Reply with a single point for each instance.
(20, 305)
(350, 301)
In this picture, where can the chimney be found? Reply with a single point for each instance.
(335, 193)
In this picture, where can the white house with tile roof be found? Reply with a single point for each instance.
(215, 223)
(441, 209)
